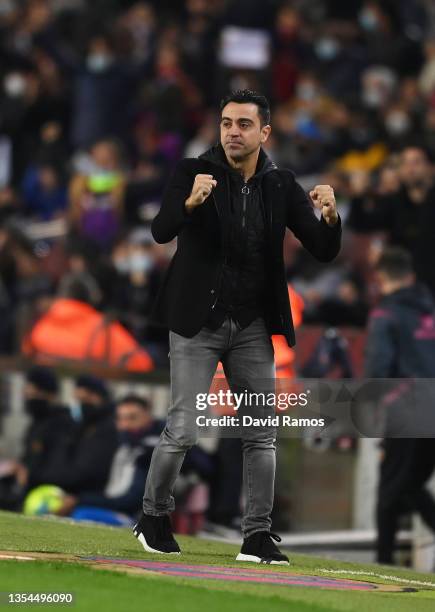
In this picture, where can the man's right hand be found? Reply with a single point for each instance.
(201, 189)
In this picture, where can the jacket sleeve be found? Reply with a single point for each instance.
(172, 214)
(321, 240)
(379, 358)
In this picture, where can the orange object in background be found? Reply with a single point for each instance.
(284, 355)
(71, 329)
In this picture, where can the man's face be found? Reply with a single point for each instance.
(131, 418)
(415, 169)
(241, 130)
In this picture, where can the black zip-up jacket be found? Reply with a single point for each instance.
(401, 336)
(189, 291)
(241, 291)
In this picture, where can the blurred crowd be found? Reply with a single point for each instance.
(99, 100)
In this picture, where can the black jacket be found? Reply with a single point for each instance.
(83, 461)
(45, 434)
(189, 290)
(401, 336)
(408, 225)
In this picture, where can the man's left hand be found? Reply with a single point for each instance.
(324, 199)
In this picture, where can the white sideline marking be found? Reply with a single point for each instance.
(376, 575)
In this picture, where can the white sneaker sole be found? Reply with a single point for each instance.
(254, 559)
(148, 548)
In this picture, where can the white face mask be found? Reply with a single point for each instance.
(327, 48)
(140, 262)
(372, 97)
(98, 62)
(368, 20)
(397, 123)
(14, 85)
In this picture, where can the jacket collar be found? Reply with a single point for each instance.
(216, 155)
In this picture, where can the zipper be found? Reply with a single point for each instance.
(245, 193)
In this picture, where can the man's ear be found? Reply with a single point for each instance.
(265, 132)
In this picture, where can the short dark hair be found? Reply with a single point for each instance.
(93, 384)
(395, 263)
(43, 379)
(133, 398)
(247, 96)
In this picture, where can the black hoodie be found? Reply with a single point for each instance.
(242, 288)
(401, 336)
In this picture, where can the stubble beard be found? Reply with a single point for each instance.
(242, 155)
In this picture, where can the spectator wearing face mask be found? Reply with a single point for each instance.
(97, 195)
(103, 85)
(137, 433)
(83, 462)
(138, 281)
(49, 426)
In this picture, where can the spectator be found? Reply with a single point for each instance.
(138, 433)
(97, 195)
(83, 461)
(73, 329)
(138, 283)
(50, 425)
(408, 215)
(44, 192)
(121, 499)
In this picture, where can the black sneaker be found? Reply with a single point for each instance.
(155, 534)
(259, 548)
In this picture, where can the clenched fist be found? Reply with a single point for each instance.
(202, 187)
(324, 199)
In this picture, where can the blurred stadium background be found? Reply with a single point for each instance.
(99, 100)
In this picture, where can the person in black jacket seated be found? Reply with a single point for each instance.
(49, 427)
(138, 433)
(121, 498)
(224, 295)
(83, 462)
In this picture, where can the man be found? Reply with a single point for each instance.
(407, 215)
(224, 296)
(138, 433)
(49, 426)
(83, 462)
(72, 329)
(401, 344)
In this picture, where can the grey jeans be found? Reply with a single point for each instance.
(248, 360)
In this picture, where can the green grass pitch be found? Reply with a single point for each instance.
(105, 590)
